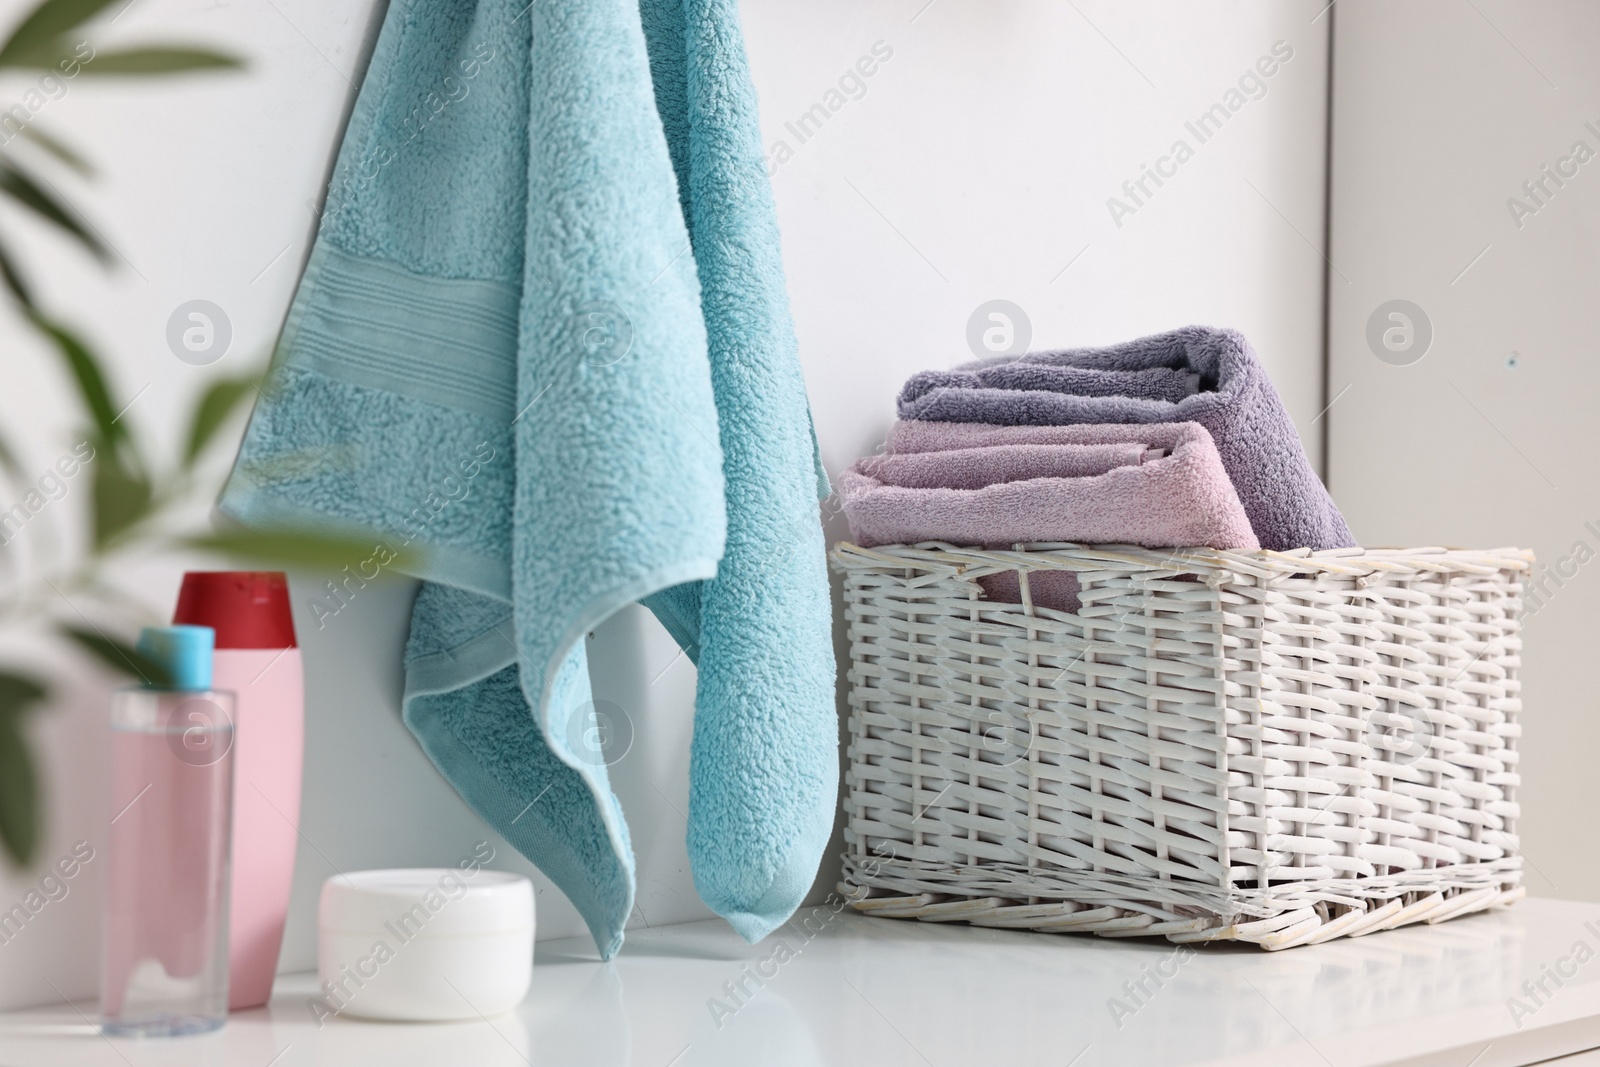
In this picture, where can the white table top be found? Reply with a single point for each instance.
(892, 992)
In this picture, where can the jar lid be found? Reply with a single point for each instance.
(426, 902)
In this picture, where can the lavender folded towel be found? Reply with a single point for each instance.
(1286, 502)
(977, 485)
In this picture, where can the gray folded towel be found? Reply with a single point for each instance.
(1232, 398)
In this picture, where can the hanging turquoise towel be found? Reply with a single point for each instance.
(543, 343)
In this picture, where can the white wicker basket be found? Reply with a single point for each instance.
(1257, 746)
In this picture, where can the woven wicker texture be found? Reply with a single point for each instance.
(1266, 747)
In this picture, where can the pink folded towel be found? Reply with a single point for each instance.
(1008, 484)
(974, 468)
(1160, 485)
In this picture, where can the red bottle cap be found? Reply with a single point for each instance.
(247, 609)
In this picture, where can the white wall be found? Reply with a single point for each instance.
(977, 165)
(1442, 112)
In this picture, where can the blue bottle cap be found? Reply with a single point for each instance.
(185, 652)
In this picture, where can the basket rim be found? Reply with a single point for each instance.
(1356, 562)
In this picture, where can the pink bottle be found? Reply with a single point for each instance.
(257, 658)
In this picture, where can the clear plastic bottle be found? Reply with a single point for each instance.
(165, 966)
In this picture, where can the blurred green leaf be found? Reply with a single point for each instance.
(18, 691)
(299, 548)
(301, 463)
(85, 370)
(8, 461)
(19, 785)
(19, 793)
(37, 38)
(120, 499)
(25, 191)
(14, 281)
(120, 657)
(141, 61)
(216, 404)
(59, 149)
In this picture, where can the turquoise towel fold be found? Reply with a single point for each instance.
(543, 342)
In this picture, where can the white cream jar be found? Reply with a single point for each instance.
(424, 944)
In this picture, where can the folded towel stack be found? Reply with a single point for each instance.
(1173, 440)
